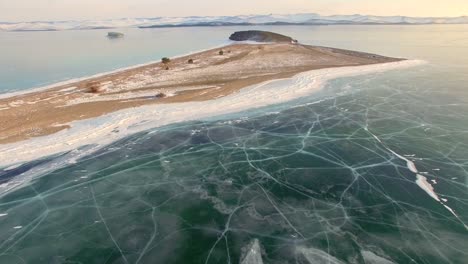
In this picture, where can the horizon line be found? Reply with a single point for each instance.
(282, 14)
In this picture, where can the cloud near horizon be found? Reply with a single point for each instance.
(29, 10)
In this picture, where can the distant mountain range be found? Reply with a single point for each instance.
(250, 20)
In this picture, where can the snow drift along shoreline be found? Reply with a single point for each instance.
(106, 129)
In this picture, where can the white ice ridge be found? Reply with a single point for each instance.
(421, 181)
(371, 258)
(316, 256)
(253, 254)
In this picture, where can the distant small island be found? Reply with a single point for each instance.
(261, 36)
(115, 35)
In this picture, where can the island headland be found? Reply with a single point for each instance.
(261, 36)
(201, 76)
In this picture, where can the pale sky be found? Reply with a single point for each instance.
(30, 10)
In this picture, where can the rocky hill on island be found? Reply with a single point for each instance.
(261, 36)
(115, 35)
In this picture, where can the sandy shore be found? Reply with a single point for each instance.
(211, 76)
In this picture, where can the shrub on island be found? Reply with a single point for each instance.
(160, 95)
(165, 60)
(190, 61)
(93, 88)
(221, 52)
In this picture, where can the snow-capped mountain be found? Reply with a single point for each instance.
(294, 19)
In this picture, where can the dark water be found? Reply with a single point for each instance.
(320, 180)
